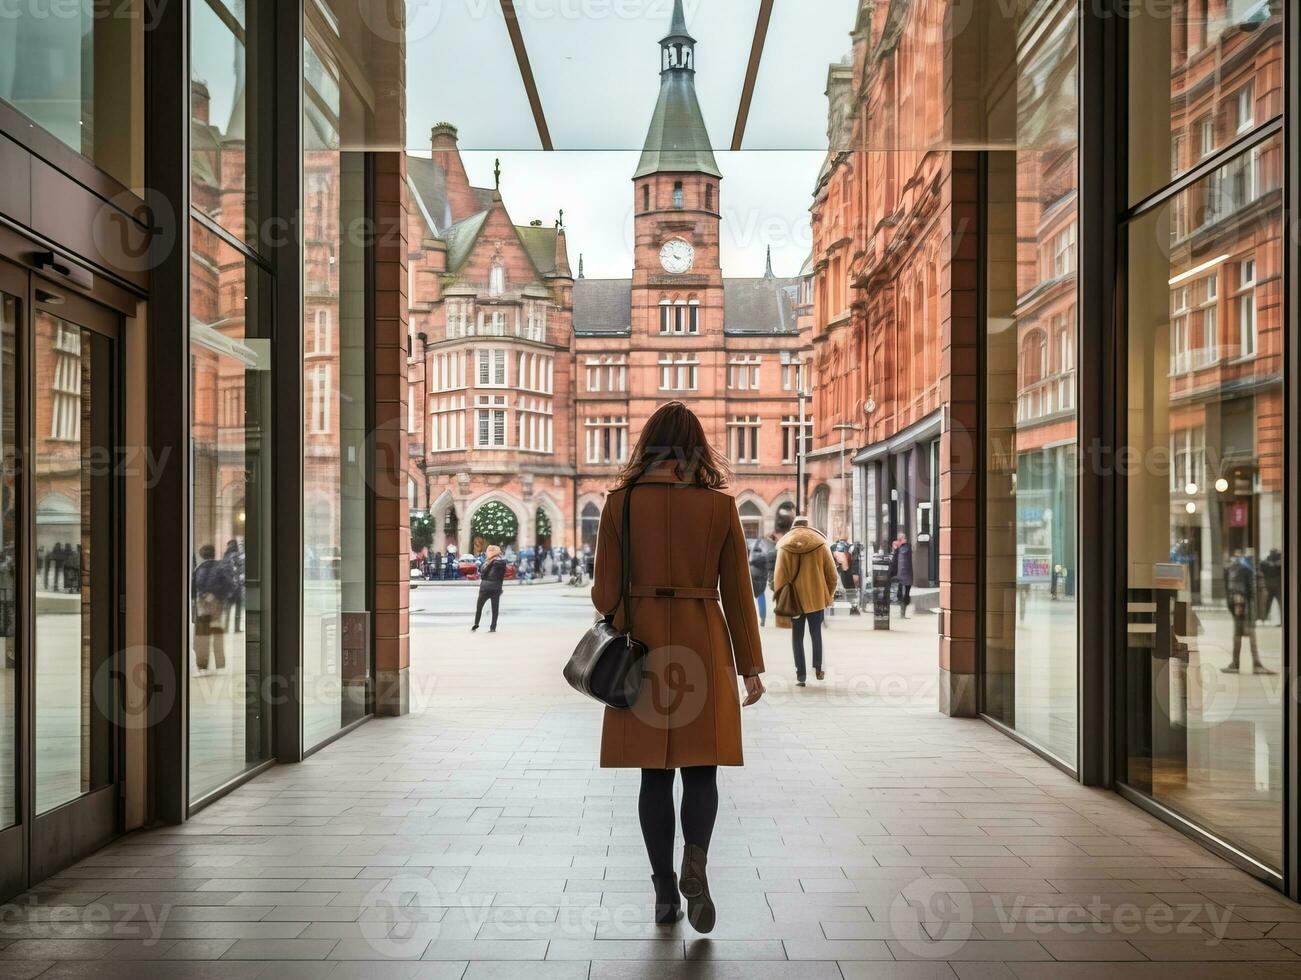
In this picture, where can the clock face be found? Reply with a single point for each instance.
(677, 256)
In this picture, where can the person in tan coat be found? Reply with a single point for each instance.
(691, 604)
(804, 563)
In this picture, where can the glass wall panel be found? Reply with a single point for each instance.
(1202, 74)
(9, 554)
(1206, 434)
(230, 426)
(1031, 555)
(77, 71)
(224, 114)
(336, 649)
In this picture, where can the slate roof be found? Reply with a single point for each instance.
(760, 306)
(602, 306)
(460, 240)
(428, 182)
(677, 141)
(540, 243)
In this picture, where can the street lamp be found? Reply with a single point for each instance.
(801, 446)
(842, 428)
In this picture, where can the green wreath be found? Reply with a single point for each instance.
(495, 523)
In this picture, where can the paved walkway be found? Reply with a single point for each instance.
(867, 837)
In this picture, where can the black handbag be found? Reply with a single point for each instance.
(608, 664)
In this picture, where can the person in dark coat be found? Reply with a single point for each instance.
(901, 571)
(491, 576)
(763, 558)
(234, 559)
(1271, 576)
(1240, 597)
(211, 589)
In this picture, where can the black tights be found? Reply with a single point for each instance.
(655, 808)
(486, 597)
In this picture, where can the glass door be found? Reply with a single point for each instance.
(13, 293)
(59, 578)
(75, 612)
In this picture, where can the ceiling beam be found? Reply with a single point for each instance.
(752, 72)
(526, 72)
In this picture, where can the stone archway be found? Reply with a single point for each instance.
(544, 504)
(523, 521)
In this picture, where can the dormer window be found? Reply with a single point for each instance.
(496, 280)
(678, 197)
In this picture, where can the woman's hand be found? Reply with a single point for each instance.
(754, 690)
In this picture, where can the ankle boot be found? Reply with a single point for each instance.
(668, 904)
(695, 886)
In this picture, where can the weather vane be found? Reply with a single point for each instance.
(496, 172)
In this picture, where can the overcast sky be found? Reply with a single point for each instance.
(597, 69)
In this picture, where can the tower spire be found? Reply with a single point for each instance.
(581, 273)
(678, 141)
(767, 274)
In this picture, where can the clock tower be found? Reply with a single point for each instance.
(677, 285)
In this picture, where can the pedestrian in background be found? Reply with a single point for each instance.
(806, 569)
(763, 559)
(491, 576)
(901, 571)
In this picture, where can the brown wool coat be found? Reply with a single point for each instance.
(683, 537)
(804, 558)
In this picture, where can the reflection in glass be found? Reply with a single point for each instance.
(1202, 74)
(1031, 453)
(9, 546)
(73, 416)
(230, 373)
(1206, 503)
(79, 75)
(336, 653)
(223, 114)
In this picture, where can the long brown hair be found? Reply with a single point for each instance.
(674, 435)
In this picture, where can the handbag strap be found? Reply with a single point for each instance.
(625, 547)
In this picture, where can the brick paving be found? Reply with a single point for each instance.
(868, 836)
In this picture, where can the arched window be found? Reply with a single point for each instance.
(680, 316)
(1034, 358)
(821, 509)
(496, 280)
(666, 316)
(591, 521)
(693, 316)
(679, 200)
(645, 197)
(921, 343)
(751, 522)
(709, 197)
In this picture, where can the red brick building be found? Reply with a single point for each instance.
(894, 224)
(528, 384)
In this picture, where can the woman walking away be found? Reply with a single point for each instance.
(690, 604)
(805, 564)
(491, 575)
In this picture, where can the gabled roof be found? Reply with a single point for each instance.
(760, 306)
(602, 306)
(428, 183)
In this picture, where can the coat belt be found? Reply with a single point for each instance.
(672, 592)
